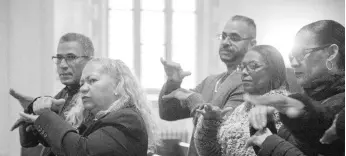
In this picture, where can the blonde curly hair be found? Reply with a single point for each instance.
(130, 93)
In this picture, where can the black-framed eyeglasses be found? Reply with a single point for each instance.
(232, 36)
(250, 66)
(306, 53)
(68, 58)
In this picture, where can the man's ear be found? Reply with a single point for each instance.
(333, 51)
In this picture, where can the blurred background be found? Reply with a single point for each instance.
(138, 32)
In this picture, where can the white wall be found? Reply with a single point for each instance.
(29, 32)
(26, 40)
(277, 21)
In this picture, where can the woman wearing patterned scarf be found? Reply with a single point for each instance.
(318, 59)
(224, 133)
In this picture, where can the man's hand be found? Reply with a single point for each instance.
(330, 134)
(258, 138)
(210, 112)
(174, 71)
(45, 103)
(23, 99)
(286, 105)
(180, 94)
(258, 116)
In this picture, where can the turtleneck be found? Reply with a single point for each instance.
(326, 86)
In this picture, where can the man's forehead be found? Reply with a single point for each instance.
(239, 27)
(70, 48)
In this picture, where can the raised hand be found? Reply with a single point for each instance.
(44, 103)
(210, 112)
(180, 94)
(174, 71)
(30, 118)
(258, 138)
(286, 105)
(23, 99)
(258, 116)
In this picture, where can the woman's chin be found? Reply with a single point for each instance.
(88, 106)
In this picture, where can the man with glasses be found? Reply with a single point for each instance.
(74, 51)
(223, 90)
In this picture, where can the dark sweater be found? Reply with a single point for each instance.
(122, 133)
(300, 136)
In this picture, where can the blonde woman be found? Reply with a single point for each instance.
(122, 125)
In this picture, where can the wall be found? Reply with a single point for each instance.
(277, 21)
(26, 39)
(29, 32)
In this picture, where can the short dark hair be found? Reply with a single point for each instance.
(275, 63)
(85, 42)
(329, 32)
(250, 22)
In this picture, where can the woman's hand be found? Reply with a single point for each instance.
(210, 112)
(180, 94)
(30, 118)
(258, 138)
(43, 104)
(258, 116)
(286, 105)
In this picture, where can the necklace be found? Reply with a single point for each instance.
(222, 78)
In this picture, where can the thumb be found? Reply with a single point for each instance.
(250, 142)
(27, 117)
(58, 101)
(185, 73)
(163, 61)
(20, 96)
(169, 96)
(226, 110)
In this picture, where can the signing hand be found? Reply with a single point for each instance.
(174, 71)
(30, 118)
(258, 138)
(45, 103)
(210, 112)
(258, 116)
(180, 94)
(286, 105)
(23, 99)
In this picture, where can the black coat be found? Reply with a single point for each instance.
(120, 133)
(301, 136)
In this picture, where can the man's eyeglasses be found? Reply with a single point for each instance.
(250, 67)
(306, 53)
(232, 36)
(68, 58)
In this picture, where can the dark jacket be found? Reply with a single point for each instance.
(32, 139)
(300, 136)
(120, 133)
(230, 94)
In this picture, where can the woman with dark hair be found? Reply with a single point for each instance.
(318, 60)
(224, 132)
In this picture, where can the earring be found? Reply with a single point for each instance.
(329, 65)
(116, 94)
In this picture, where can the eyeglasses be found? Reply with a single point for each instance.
(306, 53)
(250, 67)
(68, 58)
(232, 36)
